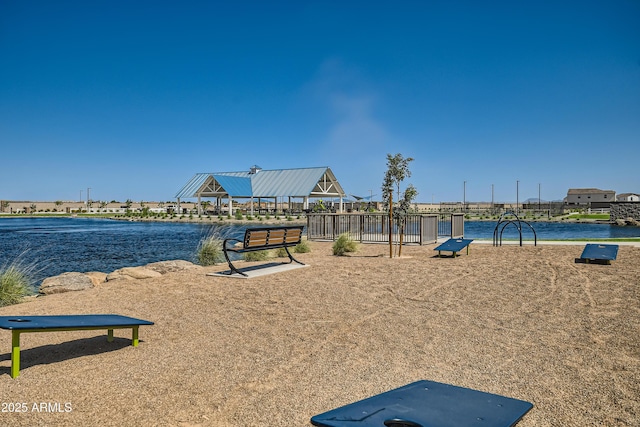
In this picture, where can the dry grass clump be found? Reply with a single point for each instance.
(15, 282)
(209, 250)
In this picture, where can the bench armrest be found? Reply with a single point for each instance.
(224, 243)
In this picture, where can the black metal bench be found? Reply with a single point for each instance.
(264, 238)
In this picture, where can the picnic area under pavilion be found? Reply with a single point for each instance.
(257, 184)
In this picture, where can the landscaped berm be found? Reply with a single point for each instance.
(523, 322)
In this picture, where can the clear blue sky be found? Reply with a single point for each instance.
(131, 99)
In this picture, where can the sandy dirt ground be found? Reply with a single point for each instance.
(524, 322)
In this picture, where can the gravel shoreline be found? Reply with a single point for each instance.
(524, 322)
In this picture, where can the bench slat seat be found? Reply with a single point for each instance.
(263, 238)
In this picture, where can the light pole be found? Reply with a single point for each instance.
(517, 197)
(88, 189)
(464, 197)
(492, 203)
(538, 196)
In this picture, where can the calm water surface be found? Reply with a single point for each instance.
(550, 230)
(58, 245)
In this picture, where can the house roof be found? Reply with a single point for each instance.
(588, 190)
(301, 182)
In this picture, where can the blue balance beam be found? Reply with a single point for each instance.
(427, 404)
(22, 324)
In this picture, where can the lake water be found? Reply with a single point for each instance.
(550, 230)
(58, 245)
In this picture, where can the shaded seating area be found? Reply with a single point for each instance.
(23, 324)
(427, 404)
(454, 246)
(598, 254)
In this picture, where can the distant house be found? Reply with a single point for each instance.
(586, 196)
(628, 197)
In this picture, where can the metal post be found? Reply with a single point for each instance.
(390, 224)
(492, 197)
(517, 197)
(15, 353)
(134, 336)
(464, 197)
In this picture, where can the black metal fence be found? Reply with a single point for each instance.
(374, 227)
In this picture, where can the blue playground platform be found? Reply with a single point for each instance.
(454, 245)
(427, 404)
(597, 253)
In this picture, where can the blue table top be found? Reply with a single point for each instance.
(69, 321)
(427, 404)
(597, 251)
(454, 245)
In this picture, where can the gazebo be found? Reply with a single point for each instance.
(256, 183)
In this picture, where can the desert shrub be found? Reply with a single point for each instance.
(302, 247)
(344, 244)
(257, 255)
(209, 250)
(15, 282)
(238, 214)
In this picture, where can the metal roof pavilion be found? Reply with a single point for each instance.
(317, 182)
